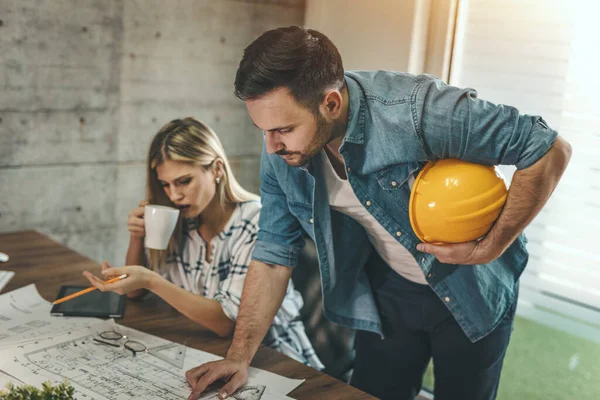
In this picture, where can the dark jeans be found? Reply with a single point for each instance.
(417, 327)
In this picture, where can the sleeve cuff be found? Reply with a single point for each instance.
(543, 138)
(271, 253)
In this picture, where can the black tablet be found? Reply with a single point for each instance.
(94, 304)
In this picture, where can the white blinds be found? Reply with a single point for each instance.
(543, 56)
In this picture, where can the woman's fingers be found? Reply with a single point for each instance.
(137, 212)
(135, 219)
(112, 272)
(135, 225)
(119, 287)
(135, 222)
(99, 284)
(105, 266)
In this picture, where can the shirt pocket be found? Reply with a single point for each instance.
(394, 180)
(303, 212)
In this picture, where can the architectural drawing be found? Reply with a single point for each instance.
(249, 393)
(173, 353)
(32, 321)
(99, 371)
(25, 315)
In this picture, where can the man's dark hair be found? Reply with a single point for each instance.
(303, 60)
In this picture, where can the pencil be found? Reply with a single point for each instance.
(84, 291)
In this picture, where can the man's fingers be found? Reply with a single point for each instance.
(214, 372)
(429, 248)
(236, 381)
(195, 373)
(424, 247)
(205, 381)
(200, 378)
(455, 253)
(444, 253)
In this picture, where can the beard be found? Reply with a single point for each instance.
(323, 134)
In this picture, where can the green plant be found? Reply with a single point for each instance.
(60, 391)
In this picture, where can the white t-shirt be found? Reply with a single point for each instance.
(342, 199)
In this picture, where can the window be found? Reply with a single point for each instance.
(542, 57)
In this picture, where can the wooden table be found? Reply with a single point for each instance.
(35, 258)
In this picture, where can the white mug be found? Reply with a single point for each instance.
(159, 222)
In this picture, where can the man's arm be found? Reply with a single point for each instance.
(262, 296)
(454, 123)
(529, 191)
(278, 245)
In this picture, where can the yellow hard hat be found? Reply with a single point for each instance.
(454, 201)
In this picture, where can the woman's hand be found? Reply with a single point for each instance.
(138, 277)
(135, 220)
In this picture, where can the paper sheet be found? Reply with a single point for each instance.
(5, 276)
(22, 302)
(101, 372)
(5, 379)
(25, 316)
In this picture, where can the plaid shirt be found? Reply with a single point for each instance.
(222, 279)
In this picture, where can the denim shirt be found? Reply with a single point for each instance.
(396, 123)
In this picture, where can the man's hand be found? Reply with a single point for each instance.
(468, 253)
(232, 370)
(529, 191)
(264, 290)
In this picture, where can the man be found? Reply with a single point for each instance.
(340, 152)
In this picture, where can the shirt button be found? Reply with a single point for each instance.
(429, 275)
(422, 260)
(348, 169)
(447, 299)
(368, 203)
(394, 183)
(311, 220)
(398, 233)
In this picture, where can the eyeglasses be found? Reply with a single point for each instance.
(114, 336)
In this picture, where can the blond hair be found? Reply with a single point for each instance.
(191, 141)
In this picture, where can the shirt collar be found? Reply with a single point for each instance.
(356, 119)
(356, 113)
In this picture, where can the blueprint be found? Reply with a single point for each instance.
(99, 371)
(25, 316)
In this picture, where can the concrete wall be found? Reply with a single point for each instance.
(373, 34)
(85, 84)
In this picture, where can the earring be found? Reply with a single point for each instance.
(218, 180)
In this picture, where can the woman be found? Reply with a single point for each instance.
(202, 272)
